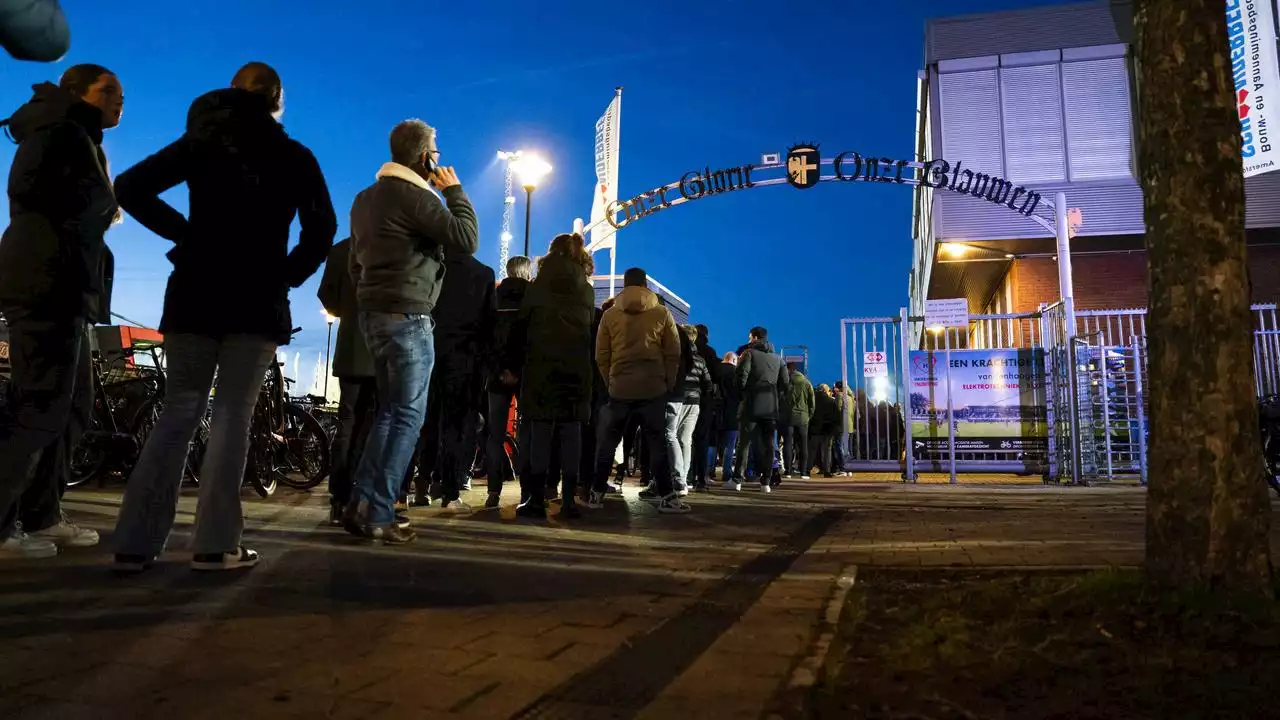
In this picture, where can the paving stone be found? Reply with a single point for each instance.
(486, 617)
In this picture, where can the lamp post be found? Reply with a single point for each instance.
(328, 344)
(531, 169)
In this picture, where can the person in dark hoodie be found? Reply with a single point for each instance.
(510, 297)
(464, 318)
(764, 382)
(399, 231)
(226, 307)
(695, 384)
(550, 351)
(34, 30)
(54, 281)
(353, 366)
(700, 467)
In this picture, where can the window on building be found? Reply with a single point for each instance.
(971, 128)
(1099, 119)
(1031, 110)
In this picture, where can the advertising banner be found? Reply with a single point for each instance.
(1251, 31)
(607, 146)
(997, 400)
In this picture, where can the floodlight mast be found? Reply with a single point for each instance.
(508, 206)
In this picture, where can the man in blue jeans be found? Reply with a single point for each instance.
(399, 232)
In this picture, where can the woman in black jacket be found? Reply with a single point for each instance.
(549, 351)
(54, 280)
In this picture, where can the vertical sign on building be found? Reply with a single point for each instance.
(1251, 32)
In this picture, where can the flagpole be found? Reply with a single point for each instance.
(613, 247)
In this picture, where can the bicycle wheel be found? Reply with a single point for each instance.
(88, 457)
(259, 469)
(195, 453)
(306, 449)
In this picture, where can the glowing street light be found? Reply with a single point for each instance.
(530, 169)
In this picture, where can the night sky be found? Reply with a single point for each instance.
(709, 83)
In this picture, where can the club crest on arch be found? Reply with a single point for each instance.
(804, 165)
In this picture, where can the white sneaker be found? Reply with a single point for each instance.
(683, 492)
(241, 557)
(68, 534)
(804, 477)
(457, 506)
(731, 485)
(673, 505)
(766, 488)
(20, 545)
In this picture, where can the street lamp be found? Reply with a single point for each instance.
(531, 169)
(328, 344)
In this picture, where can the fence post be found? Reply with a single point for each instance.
(1142, 412)
(844, 393)
(951, 423)
(904, 393)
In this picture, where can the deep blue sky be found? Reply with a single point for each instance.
(716, 83)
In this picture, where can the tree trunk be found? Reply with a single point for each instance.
(1208, 512)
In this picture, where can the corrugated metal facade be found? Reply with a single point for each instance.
(679, 310)
(1042, 97)
(1038, 28)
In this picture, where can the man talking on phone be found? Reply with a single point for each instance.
(399, 232)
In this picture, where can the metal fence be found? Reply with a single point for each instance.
(1093, 392)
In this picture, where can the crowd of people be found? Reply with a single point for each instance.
(432, 353)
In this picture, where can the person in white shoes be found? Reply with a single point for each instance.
(55, 272)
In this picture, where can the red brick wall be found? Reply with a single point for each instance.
(1105, 282)
(1264, 271)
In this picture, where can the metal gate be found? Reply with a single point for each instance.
(875, 359)
(872, 372)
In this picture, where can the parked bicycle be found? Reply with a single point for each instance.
(127, 400)
(286, 444)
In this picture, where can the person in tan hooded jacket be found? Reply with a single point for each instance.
(638, 354)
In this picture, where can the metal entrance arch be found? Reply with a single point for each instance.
(773, 170)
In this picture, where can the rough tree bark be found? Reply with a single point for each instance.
(1208, 512)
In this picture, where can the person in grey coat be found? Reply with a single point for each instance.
(34, 30)
(353, 366)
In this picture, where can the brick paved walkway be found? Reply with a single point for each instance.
(624, 614)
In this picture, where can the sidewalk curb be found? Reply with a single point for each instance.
(806, 674)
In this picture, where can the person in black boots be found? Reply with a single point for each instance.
(464, 318)
(509, 297)
(226, 307)
(353, 366)
(54, 281)
(764, 382)
(551, 348)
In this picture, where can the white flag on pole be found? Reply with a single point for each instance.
(606, 190)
